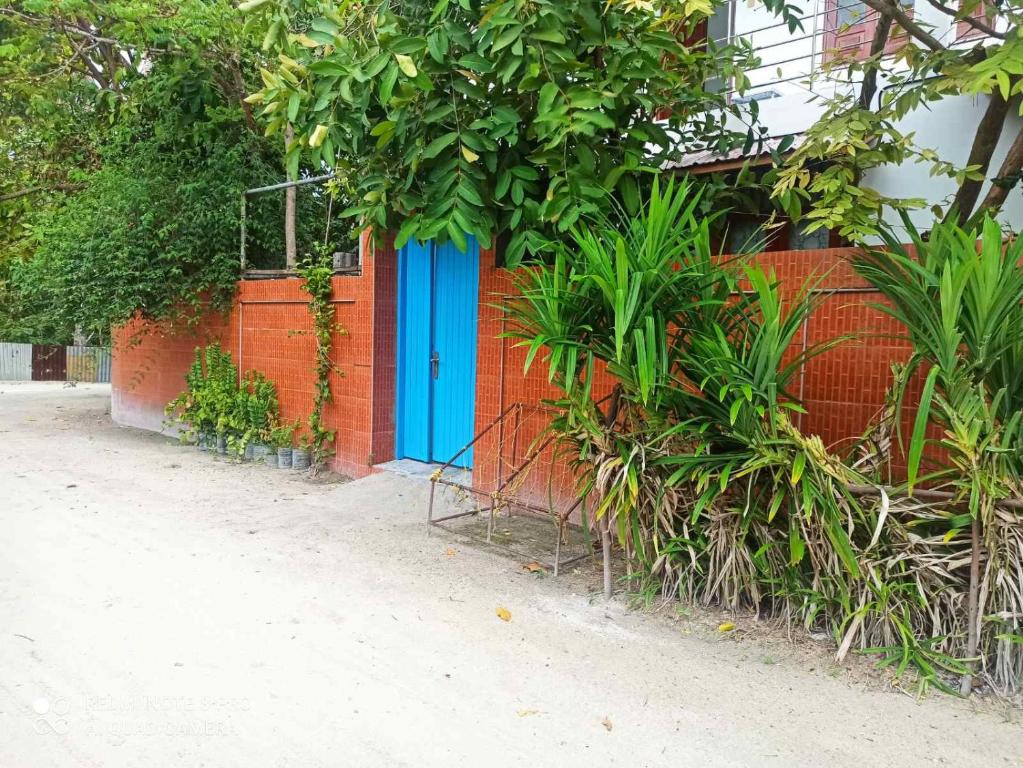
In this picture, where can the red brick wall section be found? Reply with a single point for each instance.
(385, 350)
(503, 383)
(267, 330)
(149, 366)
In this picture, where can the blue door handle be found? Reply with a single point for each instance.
(435, 364)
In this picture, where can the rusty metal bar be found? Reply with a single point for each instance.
(476, 439)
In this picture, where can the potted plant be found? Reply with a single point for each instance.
(262, 411)
(259, 449)
(282, 436)
(186, 412)
(301, 457)
(270, 457)
(223, 416)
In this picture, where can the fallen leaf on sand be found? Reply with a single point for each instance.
(528, 712)
(726, 627)
(606, 722)
(450, 552)
(533, 567)
(503, 614)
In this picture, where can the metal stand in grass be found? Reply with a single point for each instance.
(505, 494)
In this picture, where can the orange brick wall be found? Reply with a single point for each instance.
(842, 390)
(268, 330)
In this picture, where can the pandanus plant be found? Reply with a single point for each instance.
(958, 295)
(700, 387)
(616, 297)
(772, 504)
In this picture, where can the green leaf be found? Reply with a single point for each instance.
(457, 236)
(798, 463)
(387, 83)
(503, 182)
(329, 67)
(406, 65)
(438, 145)
(325, 25)
(438, 10)
(797, 547)
(547, 35)
(733, 412)
(377, 64)
(438, 47)
(506, 38)
(918, 439)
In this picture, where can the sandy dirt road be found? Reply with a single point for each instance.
(162, 608)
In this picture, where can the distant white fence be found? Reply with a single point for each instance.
(50, 362)
(15, 362)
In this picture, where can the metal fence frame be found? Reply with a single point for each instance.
(83, 363)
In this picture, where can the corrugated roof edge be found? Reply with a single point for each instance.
(708, 157)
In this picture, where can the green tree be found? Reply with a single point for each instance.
(507, 119)
(154, 230)
(125, 143)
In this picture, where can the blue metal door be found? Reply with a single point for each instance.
(415, 341)
(438, 289)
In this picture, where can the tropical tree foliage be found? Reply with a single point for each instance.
(693, 456)
(124, 146)
(154, 230)
(68, 67)
(918, 63)
(506, 119)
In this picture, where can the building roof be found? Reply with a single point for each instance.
(707, 160)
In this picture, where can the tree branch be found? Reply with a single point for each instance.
(239, 87)
(869, 88)
(973, 21)
(42, 21)
(35, 190)
(894, 10)
(989, 130)
(1007, 178)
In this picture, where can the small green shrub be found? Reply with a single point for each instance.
(214, 405)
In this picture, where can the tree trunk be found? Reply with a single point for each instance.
(238, 83)
(972, 619)
(1007, 178)
(605, 542)
(869, 88)
(984, 142)
(290, 200)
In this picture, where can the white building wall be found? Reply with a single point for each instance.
(948, 127)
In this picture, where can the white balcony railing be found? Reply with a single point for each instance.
(832, 29)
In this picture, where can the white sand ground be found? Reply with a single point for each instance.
(162, 608)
